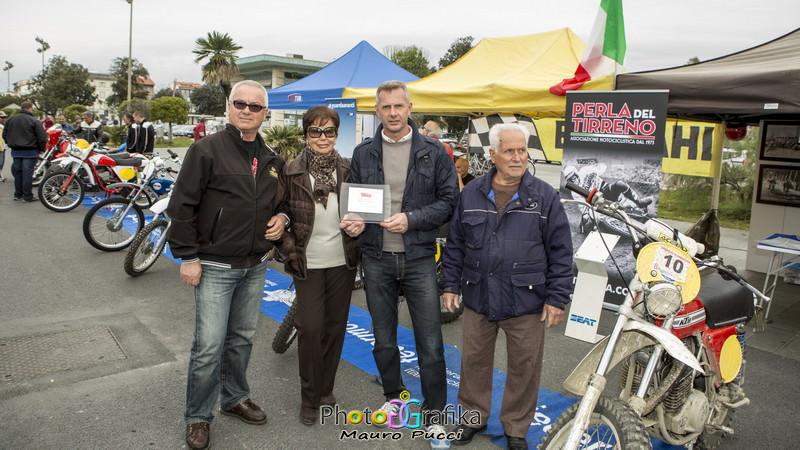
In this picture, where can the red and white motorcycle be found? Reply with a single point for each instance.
(679, 343)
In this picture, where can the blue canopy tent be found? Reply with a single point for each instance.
(361, 67)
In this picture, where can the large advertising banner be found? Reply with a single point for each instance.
(346, 107)
(614, 142)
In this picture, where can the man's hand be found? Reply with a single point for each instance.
(190, 273)
(552, 316)
(398, 223)
(451, 301)
(352, 228)
(275, 227)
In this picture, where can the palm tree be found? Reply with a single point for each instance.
(220, 51)
(286, 140)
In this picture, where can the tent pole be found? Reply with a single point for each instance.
(717, 156)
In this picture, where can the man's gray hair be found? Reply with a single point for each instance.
(26, 105)
(389, 86)
(494, 133)
(250, 83)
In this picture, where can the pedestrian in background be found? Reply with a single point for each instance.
(199, 131)
(320, 257)
(509, 254)
(26, 138)
(89, 128)
(227, 198)
(146, 134)
(462, 169)
(3, 117)
(398, 253)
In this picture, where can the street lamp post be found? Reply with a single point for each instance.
(130, 48)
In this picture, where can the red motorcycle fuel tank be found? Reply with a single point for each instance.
(102, 160)
(690, 320)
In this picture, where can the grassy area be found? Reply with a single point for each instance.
(689, 205)
(176, 142)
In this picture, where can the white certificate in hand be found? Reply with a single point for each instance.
(365, 200)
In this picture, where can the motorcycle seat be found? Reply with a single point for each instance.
(132, 162)
(118, 156)
(726, 302)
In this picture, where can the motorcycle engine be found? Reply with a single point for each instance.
(691, 417)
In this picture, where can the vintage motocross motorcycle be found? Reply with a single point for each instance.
(679, 344)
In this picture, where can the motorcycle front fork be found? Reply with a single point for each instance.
(597, 381)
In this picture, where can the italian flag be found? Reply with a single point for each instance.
(605, 52)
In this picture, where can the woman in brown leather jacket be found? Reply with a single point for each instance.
(320, 257)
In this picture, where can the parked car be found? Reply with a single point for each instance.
(182, 131)
(733, 157)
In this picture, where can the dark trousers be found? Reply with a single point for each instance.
(383, 279)
(22, 169)
(524, 347)
(323, 304)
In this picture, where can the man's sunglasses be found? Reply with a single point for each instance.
(315, 132)
(254, 107)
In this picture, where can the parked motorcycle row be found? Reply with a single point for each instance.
(679, 342)
(69, 168)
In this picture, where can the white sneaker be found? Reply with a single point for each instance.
(390, 409)
(439, 436)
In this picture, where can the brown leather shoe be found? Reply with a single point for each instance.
(329, 400)
(248, 412)
(198, 436)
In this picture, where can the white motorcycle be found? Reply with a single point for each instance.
(680, 348)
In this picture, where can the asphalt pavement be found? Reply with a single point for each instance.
(117, 380)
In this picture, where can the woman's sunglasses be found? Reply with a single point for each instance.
(254, 107)
(315, 132)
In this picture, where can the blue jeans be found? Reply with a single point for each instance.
(228, 308)
(22, 169)
(383, 279)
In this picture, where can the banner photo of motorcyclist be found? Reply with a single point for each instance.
(614, 143)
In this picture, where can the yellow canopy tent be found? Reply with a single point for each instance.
(510, 74)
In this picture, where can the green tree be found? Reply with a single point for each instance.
(135, 104)
(7, 99)
(166, 92)
(457, 49)
(119, 70)
(61, 84)
(412, 58)
(219, 50)
(457, 125)
(286, 140)
(74, 110)
(170, 110)
(209, 99)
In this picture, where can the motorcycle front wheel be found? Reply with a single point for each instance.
(39, 171)
(613, 424)
(286, 331)
(58, 195)
(103, 228)
(146, 247)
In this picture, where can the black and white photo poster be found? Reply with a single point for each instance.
(615, 143)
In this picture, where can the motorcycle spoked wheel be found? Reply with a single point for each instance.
(51, 195)
(42, 167)
(145, 248)
(98, 225)
(613, 424)
(286, 331)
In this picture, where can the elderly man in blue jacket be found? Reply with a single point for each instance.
(509, 255)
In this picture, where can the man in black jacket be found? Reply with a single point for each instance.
(399, 252)
(225, 201)
(26, 138)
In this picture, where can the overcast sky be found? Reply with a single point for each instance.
(93, 32)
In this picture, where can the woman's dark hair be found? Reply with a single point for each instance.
(319, 114)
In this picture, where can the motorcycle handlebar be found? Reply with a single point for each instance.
(580, 190)
(171, 153)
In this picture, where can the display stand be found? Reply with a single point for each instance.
(781, 246)
(590, 287)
